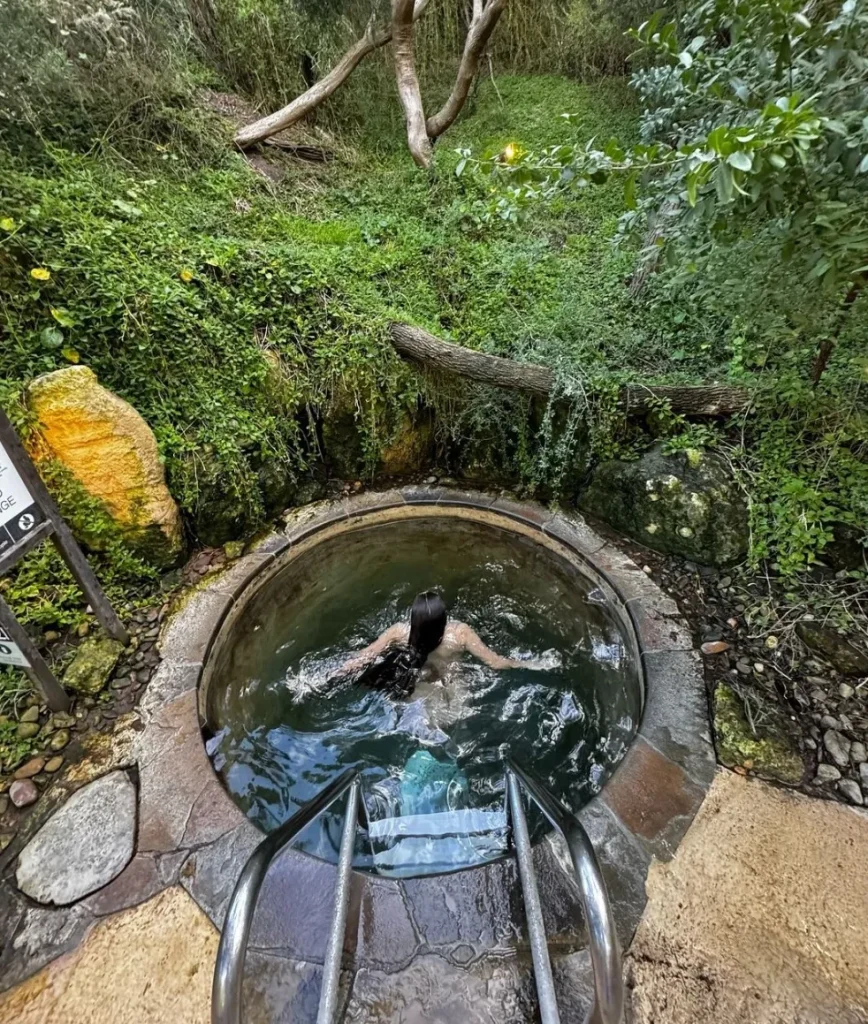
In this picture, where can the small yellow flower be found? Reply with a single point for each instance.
(186, 275)
(7, 224)
(40, 273)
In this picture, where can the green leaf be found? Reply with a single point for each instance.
(62, 317)
(51, 337)
(740, 160)
(630, 191)
(863, 165)
(723, 183)
(685, 58)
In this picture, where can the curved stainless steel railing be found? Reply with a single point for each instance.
(226, 990)
(603, 939)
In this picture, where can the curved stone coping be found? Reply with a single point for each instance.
(191, 831)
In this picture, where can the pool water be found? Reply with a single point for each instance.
(281, 729)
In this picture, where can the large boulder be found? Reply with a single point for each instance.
(686, 504)
(112, 452)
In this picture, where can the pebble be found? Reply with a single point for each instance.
(858, 754)
(31, 714)
(152, 615)
(846, 691)
(27, 730)
(732, 623)
(726, 582)
(32, 767)
(810, 744)
(83, 629)
(744, 666)
(759, 667)
(818, 696)
(431, 480)
(838, 747)
(4, 804)
(851, 790)
(50, 636)
(715, 647)
(647, 570)
(827, 773)
(816, 681)
(119, 684)
(53, 765)
(59, 739)
(829, 722)
(23, 792)
(845, 722)
(863, 775)
(5, 839)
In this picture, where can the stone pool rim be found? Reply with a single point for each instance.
(648, 802)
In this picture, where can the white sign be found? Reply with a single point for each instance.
(10, 654)
(19, 513)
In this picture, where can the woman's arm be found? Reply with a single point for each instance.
(393, 635)
(473, 645)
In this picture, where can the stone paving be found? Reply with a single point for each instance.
(444, 949)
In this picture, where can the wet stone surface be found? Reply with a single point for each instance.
(84, 845)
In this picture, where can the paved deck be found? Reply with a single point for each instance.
(759, 919)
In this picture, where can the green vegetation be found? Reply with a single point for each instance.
(237, 315)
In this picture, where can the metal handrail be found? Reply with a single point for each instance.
(226, 990)
(608, 1002)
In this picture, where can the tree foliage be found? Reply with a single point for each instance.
(754, 113)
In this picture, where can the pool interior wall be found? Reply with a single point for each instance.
(335, 590)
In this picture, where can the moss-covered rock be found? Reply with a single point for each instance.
(112, 452)
(93, 665)
(845, 656)
(408, 451)
(683, 504)
(770, 752)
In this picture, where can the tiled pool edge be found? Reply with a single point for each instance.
(191, 833)
(646, 807)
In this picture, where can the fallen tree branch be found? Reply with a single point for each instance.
(483, 23)
(287, 116)
(434, 353)
(408, 82)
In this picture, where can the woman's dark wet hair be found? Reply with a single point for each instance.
(427, 624)
(397, 670)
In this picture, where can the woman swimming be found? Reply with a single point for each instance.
(423, 649)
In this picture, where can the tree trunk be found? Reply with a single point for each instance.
(321, 90)
(408, 82)
(483, 23)
(827, 346)
(422, 347)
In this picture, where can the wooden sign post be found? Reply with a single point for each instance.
(28, 516)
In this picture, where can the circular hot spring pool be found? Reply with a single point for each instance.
(279, 725)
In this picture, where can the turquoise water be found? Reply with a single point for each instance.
(280, 731)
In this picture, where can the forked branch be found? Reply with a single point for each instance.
(373, 39)
(483, 23)
(408, 82)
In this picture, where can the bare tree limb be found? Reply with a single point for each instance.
(321, 90)
(408, 82)
(432, 352)
(483, 23)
